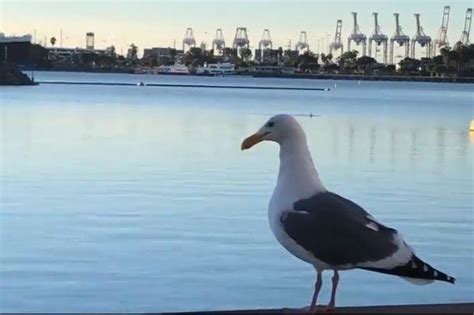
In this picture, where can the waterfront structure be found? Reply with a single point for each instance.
(302, 44)
(421, 38)
(266, 54)
(266, 40)
(188, 40)
(467, 27)
(218, 44)
(90, 41)
(264, 45)
(337, 42)
(379, 38)
(399, 37)
(442, 39)
(241, 38)
(357, 36)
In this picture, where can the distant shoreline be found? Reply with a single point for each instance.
(360, 77)
(352, 77)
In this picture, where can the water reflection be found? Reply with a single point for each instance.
(440, 145)
(351, 139)
(372, 140)
(414, 148)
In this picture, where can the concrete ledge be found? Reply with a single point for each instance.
(455, 308)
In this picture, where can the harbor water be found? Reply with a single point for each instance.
(138, 198)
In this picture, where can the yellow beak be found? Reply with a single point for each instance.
(251, 141)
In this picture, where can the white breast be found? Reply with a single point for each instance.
(297, 179)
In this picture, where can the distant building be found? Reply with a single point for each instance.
(266, 55)
(163, 54)
(70, 56)
(290, 54)
(15, 39)
(90, 41)
(15, 48)
(157, 52)
(229, 52)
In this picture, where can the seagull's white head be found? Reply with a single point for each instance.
(280, 128)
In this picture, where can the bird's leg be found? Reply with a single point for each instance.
(317, 288)
(332, 303)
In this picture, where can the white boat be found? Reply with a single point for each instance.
(174, 69)
(216, 69)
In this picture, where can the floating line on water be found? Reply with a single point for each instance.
(141, 84)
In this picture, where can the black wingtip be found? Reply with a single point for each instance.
(451, 279)
(426, 271)
(417, 269)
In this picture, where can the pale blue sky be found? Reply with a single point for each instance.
(150, 23)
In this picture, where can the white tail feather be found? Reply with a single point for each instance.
(417, 281)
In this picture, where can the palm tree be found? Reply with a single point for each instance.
(280, 53)
(132, 52)
(323, 57)
(245, 53)
(52, 41)
(444, 51)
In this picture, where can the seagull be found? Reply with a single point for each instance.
(325, 229)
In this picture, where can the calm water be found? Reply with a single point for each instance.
(139, 198)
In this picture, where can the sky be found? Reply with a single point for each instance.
(156, 23)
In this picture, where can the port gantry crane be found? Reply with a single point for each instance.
(241, 38)
(337, 42)
(399, 37)
(266, 40)
(302, 44)
(379, 38)
(467, 28)
(218, 44)
(421, 38)
(265, 43)
(189, 39)
(357, 36)
(442, 39)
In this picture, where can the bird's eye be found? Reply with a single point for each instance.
(270, 124)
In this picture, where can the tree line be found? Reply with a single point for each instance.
(457, 61)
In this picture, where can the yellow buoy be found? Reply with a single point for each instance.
(471, 132)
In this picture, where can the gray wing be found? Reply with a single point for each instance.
(338, 231)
